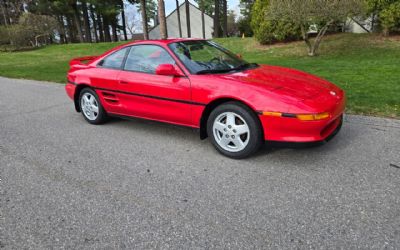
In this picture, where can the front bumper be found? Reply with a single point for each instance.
(288, 144)
(291, 129)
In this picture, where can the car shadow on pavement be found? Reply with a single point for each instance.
(347, 137)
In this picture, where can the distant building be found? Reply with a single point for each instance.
(137, 36)
(195, 24)
(359, 25)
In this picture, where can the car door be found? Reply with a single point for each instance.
(104, 79)
(145, 94)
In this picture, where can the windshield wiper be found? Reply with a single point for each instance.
(211, 71)
(216, 71)
(245, 66)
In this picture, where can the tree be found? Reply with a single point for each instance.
(322, 13)
(232, 26)
(42, 28)
(390, 18)
(203, 25)
(12, 10)
(94, 21)
(162, 21)
(178, 12)
(132, 23)
(147, 8)
(30, 30)
(123, 19)
(76, 17)
(210, 7)
(86, 22)
(188, 18)
(207, 6)
(225, 18)
(144, 19)
(385, 14)
(4, 12)
(268, 31)
(59, 10)
(244, 23)
(217, 23)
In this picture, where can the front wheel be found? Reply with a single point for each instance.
(235, 130)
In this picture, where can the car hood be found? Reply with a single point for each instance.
(284, 81)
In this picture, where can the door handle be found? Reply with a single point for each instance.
(123, 82)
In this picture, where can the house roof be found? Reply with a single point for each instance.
(175, 11)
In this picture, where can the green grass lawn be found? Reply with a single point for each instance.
(366, 66)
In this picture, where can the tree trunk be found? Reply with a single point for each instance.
(144, 19)
(86, 22)
(100, 27)
(319, 37)
(225, 19)
(318, 40)
(216, 19)
(92, 16)
(178, 12)
(106, 28)
(385, 31)
(161, 19)
(123, 20)
(77, 21)
(114, 29)
(203, 26)
(4, 11)
(71, 30)
(373, 21)
(62, 31)
(189, 33)
(306, 39)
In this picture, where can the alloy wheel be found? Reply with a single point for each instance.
(89, 106)
(231, 132)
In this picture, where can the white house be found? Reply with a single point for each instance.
(359, 25)
(195, 24)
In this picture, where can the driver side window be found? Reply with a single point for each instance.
(146, 58)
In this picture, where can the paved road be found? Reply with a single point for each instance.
(139, 184)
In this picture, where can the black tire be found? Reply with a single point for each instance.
(255, 135)
(102, 116)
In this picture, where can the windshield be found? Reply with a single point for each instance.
(207, 57)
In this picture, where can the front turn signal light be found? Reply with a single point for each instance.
(269, 113)
(313, 117)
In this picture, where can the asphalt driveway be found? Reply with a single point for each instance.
(140, 184)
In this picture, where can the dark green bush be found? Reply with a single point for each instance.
(268, 31)
(390, 18)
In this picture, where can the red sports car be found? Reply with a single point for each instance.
(198, 83)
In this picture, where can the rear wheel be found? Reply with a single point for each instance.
(91, 107)
(234, 130)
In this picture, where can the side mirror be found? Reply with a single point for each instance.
(168, 70)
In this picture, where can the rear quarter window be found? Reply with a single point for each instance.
(115, 60)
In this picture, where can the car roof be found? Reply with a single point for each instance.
(164, 41)
(155, 42)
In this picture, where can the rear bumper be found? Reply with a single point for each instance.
(70, 89)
